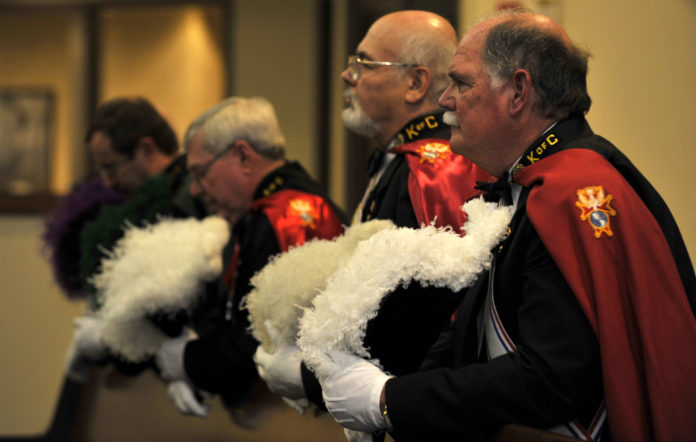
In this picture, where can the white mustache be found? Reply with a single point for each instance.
(450, 118)
(348, 96)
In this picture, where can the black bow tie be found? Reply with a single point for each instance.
(375, 161)
(498, 191)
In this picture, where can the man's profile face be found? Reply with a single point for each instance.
(474, 106)
(379, 90)
(220, 182)
(116, 170)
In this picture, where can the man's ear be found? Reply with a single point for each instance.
(244, 153)
(419, 78)
(522, 91)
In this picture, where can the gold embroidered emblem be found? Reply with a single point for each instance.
(432, 151)
(596, 209)
(304, 210)
(273, 186)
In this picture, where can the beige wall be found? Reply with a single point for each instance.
(36, 327)
(275, 52)
(183, 74)
(42, 50)
(641, 81)
(172, 55)
(34, 331)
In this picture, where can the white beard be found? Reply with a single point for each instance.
(355, 119)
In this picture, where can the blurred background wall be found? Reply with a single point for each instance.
(186, 56)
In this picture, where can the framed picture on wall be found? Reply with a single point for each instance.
(26, 129)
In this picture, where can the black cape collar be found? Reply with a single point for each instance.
(423, 127)
(552, 141)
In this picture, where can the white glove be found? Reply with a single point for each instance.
(184, 398)
(170, 358)
(281, 371)
(352, 392)
(87, 338)
(357, 436)
(299, 405)
(77, 368)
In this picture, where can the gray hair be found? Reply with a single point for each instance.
(558, 71)
(237, 118)
(433, 50)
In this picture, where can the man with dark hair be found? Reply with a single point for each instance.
(236, 156)
(129, 142)
(584, 325)
(135, 152)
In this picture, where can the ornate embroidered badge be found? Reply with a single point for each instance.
(596, 209)
(432, 151)
(304, 210)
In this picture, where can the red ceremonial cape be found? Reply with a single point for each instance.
(440, 182)
(298, 217)
(619, 265)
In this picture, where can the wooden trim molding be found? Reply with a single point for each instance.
(34, 204)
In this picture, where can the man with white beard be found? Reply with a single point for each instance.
(584, 323)
(393, 84)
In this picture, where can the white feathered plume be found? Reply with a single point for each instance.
(290, 281)
(431, 256)
(160, 268)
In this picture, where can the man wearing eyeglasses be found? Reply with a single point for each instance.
(236, 157)
(392, 87)
(130, 141)
(136, 153)
(584, 323)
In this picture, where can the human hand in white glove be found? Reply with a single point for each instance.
(352, 392)
(87, 338)
(281, 371)
(300, 405)
(77, 368)
(170, 357)
(184, 397)
(357, 436)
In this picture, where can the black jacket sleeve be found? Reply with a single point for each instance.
(221, 359)
(552, 377)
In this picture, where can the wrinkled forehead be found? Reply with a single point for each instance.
(469, 51)
(473, 41)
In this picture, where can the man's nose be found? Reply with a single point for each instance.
(446, 101)
(347, 76)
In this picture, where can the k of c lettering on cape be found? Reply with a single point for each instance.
(413, 130)
(541, 149)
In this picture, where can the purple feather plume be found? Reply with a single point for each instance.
(61, 236)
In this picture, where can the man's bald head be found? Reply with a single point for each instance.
(398, 73)
(418, 37)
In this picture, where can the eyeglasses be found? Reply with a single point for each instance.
(355, 63)
(199, 174)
